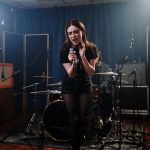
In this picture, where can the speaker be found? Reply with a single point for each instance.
(134, 100)
(6, 105)
(129, 71)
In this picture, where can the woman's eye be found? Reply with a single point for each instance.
(73, 32)
(76, 31)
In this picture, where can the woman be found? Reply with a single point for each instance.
(77, 56)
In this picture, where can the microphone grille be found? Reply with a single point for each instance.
(71, 49)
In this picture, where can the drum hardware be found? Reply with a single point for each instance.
(35, 84)
(35, 119)
(35, 126)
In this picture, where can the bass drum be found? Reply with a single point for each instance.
(56, 121)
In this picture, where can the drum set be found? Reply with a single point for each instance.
(55, 120)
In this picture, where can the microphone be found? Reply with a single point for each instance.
(74, 62)
(133, 72)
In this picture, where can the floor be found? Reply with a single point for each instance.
(137, 122)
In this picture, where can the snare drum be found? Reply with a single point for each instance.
(56, 121)
(55, 95)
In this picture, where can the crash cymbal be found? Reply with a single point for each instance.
(42, 76)
(55, 84)
(110, 73)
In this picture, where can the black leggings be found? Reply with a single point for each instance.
(77, 107)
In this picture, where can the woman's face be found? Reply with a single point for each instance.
(74, 35)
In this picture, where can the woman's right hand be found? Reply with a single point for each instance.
(72, 56)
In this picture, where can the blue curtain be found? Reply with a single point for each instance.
(111, 26)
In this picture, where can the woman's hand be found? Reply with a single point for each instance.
(72, 56)
(88, 66)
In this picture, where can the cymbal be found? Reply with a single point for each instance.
(110, 73)
(42, 76)
(122, 82)
(55, 84)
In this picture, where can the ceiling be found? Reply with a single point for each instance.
(52, 3)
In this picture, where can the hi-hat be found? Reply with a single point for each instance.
(40, 92)
(122, 82)
(55, 84)
(42, 76)
(110, 73)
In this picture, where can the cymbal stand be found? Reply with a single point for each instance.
(116, 112)
(35, 119)
(117, 127)
(115, 136)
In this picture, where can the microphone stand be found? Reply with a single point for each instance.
(117, 111)
(12, 75)
(135, 92)
(133, 142)
(118, 123)
(143, 134)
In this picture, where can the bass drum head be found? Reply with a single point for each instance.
(56, 121)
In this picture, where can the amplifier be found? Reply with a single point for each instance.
(129, 71)
(6, 72)
(135, 100)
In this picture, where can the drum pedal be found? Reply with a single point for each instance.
(29, 130)
(34, 121)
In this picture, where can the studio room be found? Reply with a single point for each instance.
(74, 74)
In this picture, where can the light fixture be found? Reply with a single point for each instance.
(2, 22)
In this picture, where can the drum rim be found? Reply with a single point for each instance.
(55, 139)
